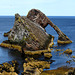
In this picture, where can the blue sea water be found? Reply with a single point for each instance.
(65, 23)
(67, 26)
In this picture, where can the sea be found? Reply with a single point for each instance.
(66, 25)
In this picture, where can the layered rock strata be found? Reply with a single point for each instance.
(27, 35)
(37, 16)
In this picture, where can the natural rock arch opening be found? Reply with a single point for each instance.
(51, 31)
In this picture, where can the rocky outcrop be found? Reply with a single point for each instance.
(8, 73)
(47, 55)
(73, 56)
(38, 17)
(28, 34)
(29, 37)
(68, 61)
(7, 33)
(68, 51)
(34, 67)
(60, 71)
(9, 69)
(11, 46)
(35, 54)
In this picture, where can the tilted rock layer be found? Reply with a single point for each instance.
(37, 16)
(29, 34)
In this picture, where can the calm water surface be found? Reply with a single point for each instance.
(67, 26)
(65, 23)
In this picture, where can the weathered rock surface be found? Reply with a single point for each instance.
(34, 67)
(9, 69)
(8, 73)
(73, 56)
(11, 46)
(29, 34)
(7, 33)
(38, 17)
(36, 54)
(68, 51)
(60, 71)
(47, 55)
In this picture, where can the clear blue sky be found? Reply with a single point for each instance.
(49, 7)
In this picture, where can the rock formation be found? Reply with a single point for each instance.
(6, 34)
(34, 67)
(60, 71)
(9, 69)
(36, 53)
(47, 55)
(29, 35)
(68, 51)
(38, 17)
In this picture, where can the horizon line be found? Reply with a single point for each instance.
(25, 15)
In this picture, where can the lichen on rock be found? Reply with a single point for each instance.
(32, 34)
(47, 55)
(7, 33)
(34, 67)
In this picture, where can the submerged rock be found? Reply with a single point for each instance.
(68, 61)
(68, 51)
(11, 46)
(9, 69)
(58, 50)
(37, 16)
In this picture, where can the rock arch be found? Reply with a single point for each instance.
(37, 16)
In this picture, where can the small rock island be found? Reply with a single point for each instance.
(28, 36)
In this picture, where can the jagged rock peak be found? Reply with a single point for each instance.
(17, 16)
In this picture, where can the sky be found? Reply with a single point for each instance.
(48, 7)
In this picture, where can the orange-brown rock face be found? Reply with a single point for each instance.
(38, 17)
